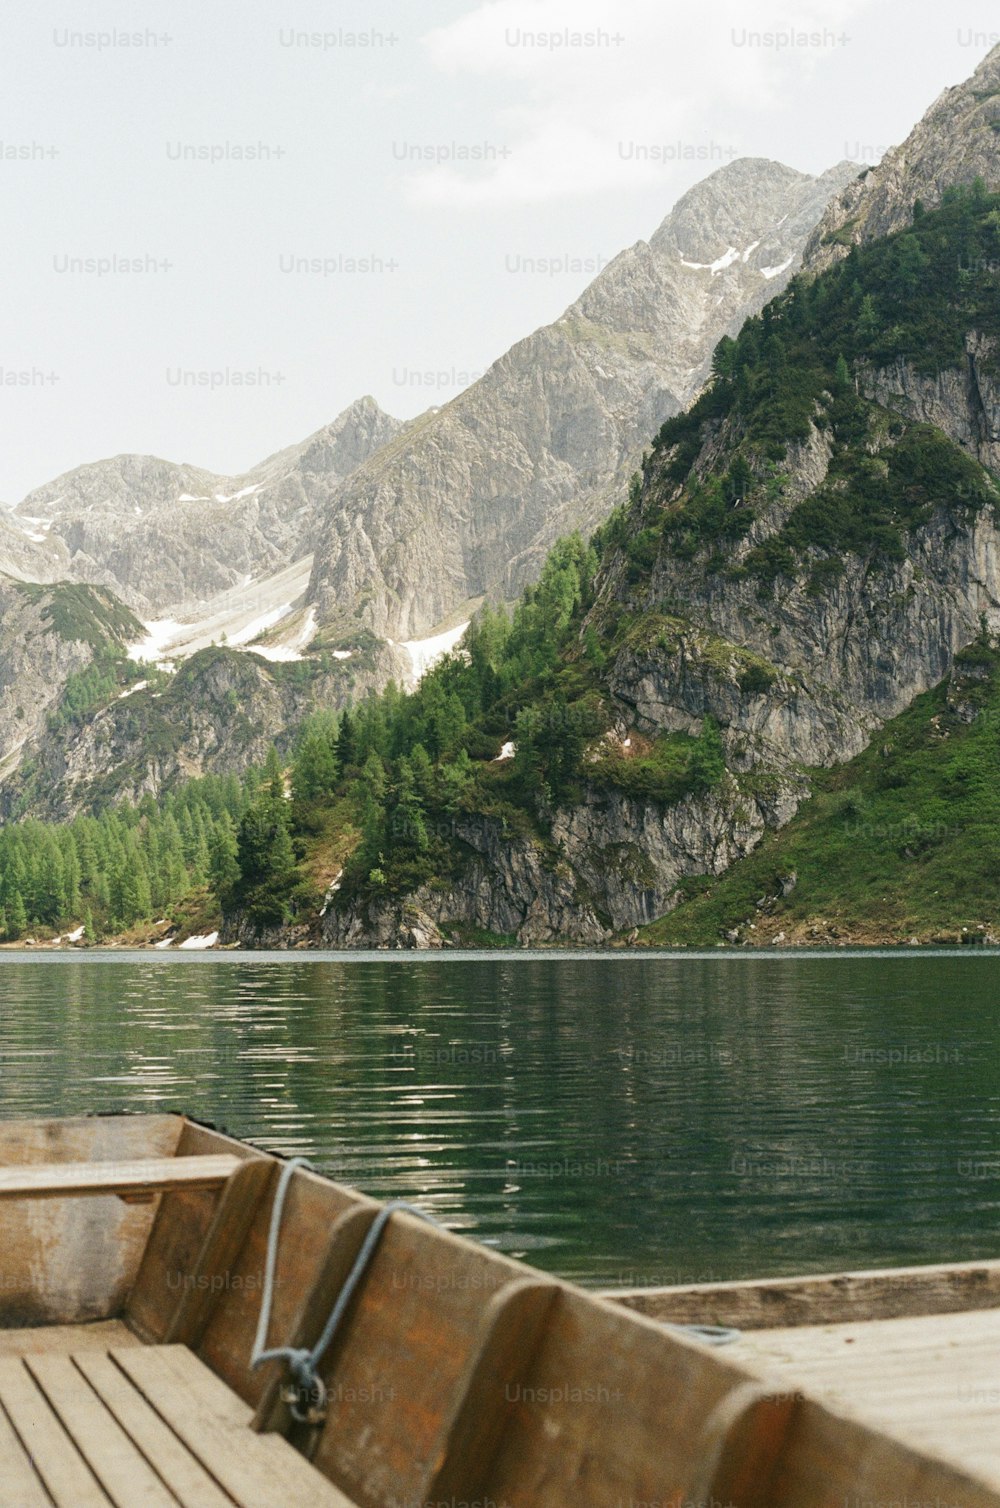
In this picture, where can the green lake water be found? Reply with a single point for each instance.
(615, 1119)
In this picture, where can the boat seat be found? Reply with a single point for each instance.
(136, 1179)
(141, 1427)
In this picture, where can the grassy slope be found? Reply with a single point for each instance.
(902, 842)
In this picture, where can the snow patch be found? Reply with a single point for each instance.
(159, 634)
(750, 251)
(773, 272)
(425, 653)
(284, 654)
(75, 936)
(259, 625)
(507, 752)
(139, 686)
(233, 497)
(726, 260)
(342, 654)
(167, 942)
(200, 943)
(193, 497)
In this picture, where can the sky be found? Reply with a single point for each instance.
(223, 222)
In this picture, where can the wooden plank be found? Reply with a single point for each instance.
(122, 1471)
(151, 1175)
(17, 1474)
(60, 1340)
(177, 1237)
(738, 1451)
(607, 1413)
(258, 1471)
(831, 1298)
(67, 1477)
(394, 1372)
(311, 1210)
(929, 1382)
(346, 1240)
(75, 1259)
(224, 1239)
(829, 1460)
(513, 1324)
(186, 1477)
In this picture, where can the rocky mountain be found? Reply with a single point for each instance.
(955, 142)
(411, 520)
(50, 635)
(815, 545)
(221, 713)
(165, 536)
(465, 504)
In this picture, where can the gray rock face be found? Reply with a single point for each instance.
(218, 716)
(28, 554)
(850, 660)
(613, 864)
(469, 500)
(965, 404)
(164, 536)
(46, 636)
(956, 142)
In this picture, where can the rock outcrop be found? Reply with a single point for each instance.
(162, 536)
(955, 143)
(467, 502)
(611, 864)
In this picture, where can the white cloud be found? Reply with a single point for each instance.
(601, 94)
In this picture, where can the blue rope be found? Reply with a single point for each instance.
(303, 1363)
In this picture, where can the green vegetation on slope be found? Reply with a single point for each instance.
(903, 841)
(85, 614)
(126, 866)
(513, 726)
(914, 297)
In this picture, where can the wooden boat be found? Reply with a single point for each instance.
(134, 1262)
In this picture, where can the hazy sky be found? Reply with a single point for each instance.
(247, 157)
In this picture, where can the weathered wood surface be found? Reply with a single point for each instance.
(143, 1427)
(258, 1471)
(63, 1261)
(397, 1370)
(461, 1376)
(514, 1323)
(931, 1382)
(828, 1299)
(346, 1239)
(150, 1175)
(312, 1209)
(231, 1221)
(177, 1239)
(100, 1335)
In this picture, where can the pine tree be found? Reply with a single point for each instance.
(224, 868)
(314, 773)
(17, 916)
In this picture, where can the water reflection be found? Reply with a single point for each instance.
(612, 1119)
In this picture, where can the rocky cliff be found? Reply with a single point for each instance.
(609, 865)
(163, 536)
(219, 715)
(954, 143)
(815, 544)
(49, 634)
(467, 502)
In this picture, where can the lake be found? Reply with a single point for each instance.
(615, 1119)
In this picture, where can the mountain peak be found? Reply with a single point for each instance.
(955, 143)
(750, 205)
